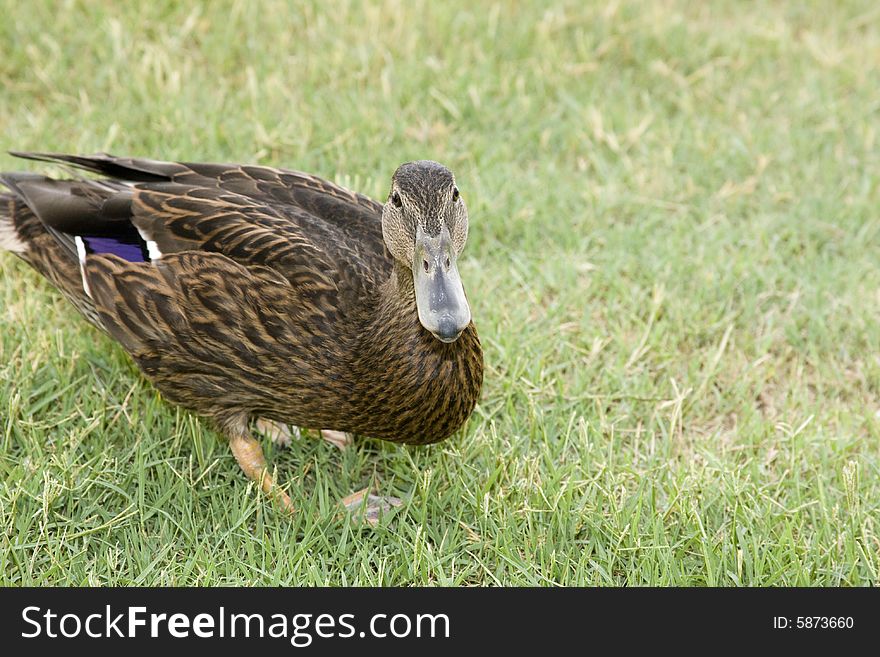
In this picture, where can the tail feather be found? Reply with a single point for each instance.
(50, 252)
(10, 240)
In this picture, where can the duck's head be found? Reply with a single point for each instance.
(425, 225)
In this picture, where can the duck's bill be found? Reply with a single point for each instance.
(442, 305)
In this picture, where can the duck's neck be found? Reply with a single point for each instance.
(411, 387)
(398, 294)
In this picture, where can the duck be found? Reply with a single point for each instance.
(265, 300)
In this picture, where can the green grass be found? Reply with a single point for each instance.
(673, 265)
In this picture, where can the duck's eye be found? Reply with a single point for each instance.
(426, 265)
(447, 262)
(454, 194)
(395, 199)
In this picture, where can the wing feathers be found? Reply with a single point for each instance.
(236, 255)
(197, 312)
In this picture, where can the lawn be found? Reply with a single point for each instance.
(672, 264)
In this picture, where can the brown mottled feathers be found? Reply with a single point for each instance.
(274, 295)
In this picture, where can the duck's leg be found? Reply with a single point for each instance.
(340, 439)
(281, 434)
(249, 455)
(363, 504)
(252, 461)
